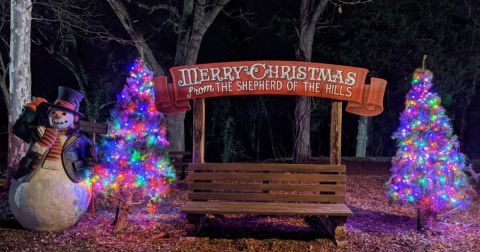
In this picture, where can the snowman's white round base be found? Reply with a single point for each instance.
(49, 200)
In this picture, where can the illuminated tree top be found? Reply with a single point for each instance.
(428, 169)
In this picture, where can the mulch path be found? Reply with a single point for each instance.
(376, 226)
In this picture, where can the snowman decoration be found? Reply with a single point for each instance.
(50, 191)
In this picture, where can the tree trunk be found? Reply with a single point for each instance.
(202, 19)
(426, 220)
(362, 136)
(302, 130)
(123, 209)
(176, 132)
(176, 123)
(143, 48)
(310, 11)
(419, 223)
(199, 104)
(189, 41)
(3, 83)
(19, 75)
(198, 152)
(184, 33)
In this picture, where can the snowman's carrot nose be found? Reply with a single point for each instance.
(58, 114)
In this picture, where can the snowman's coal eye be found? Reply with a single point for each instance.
(64, 113)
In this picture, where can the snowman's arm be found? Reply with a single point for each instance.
(22, 127)
(28, 119)
(89, 152)
(38, 148)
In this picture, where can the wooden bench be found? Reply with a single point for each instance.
(315, 191)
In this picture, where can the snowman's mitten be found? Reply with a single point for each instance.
(39, 149)
(35, 103)
(47, 140)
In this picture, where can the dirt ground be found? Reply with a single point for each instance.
(375, 226)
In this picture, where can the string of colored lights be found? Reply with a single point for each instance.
(428, 168)
(131, 157)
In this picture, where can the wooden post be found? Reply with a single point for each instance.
(198, 131)
(92, 202)
(336, 133)
(335, 225)
(195, 222)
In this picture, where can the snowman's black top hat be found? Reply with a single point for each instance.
(68, 100)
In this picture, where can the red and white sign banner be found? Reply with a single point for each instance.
(336, 82)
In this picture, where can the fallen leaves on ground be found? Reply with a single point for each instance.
(376, 226)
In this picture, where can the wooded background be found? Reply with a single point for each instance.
(88, 45)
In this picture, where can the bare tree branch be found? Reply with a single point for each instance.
(4, 44)
(3, 83)
(152, 8)
(202, 19)
(70, 16)
(4, 20)
(174, 19)
(349, 2)
(183, 33)
(246, 17)
(107, 104)
(140, 43)
(320, 8)
(213, 13)
(471, 11)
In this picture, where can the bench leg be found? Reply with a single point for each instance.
(334, 225)
(340, 236)
(194, 223)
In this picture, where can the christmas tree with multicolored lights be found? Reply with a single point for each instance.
(132, 161)
(428, 171)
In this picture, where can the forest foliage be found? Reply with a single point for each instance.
(90, 51)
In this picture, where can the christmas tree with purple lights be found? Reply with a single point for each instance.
(132, 160)
(428, 170)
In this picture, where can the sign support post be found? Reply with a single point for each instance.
(198, 131)
(336, 133)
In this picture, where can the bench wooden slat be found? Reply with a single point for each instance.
(180, 164)
(266, 167)
(178, 153)
(270, 187)
(267, 177)
(265, 208)
(319, 198)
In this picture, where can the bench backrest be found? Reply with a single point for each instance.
(306, 183)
